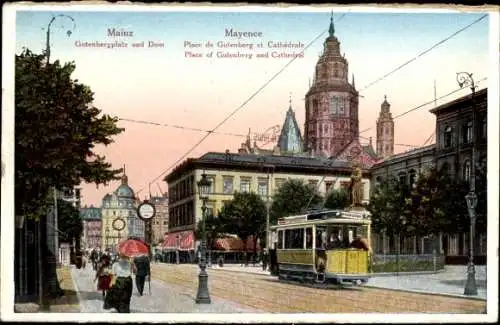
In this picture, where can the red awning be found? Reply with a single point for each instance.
(234, 244)
(182, 240)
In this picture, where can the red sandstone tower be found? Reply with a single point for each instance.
(331, 121)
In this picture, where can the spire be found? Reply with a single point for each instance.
(124, 177)
(290, 100)
(331, 30)
(353, 81)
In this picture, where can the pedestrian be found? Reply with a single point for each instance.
(142, 271)
(93, 258)
(103, 275)
(120, 293)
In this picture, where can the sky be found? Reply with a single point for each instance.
(161, 85)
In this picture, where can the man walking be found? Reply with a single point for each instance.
(142, 270)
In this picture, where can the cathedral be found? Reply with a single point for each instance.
(331, 128)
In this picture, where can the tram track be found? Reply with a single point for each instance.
(268, 294)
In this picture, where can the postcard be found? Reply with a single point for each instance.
(249, 163)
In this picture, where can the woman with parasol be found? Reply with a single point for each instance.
(119, 295)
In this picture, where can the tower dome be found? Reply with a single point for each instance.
(124, 191)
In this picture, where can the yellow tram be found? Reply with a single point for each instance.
(328, 246)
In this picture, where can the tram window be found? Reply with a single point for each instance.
(309, 239)
(280, 240)
(294, 238)
(320, 237)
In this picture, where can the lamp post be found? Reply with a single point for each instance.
(465, 79)
(68, 32)
(203, 296)
(106, 233)
(177, 250)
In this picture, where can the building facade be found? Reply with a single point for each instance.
(385, 131)
(92, 224)
(457, 132)
(160, 220)
(229, 172)
(120, 207)
(451, 152)
(331, 104)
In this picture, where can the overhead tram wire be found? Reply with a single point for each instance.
(425, 104)
(424, 52)
(241, 106)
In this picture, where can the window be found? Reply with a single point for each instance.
(228, 185)
(280, 240)
(467, 133)
(329, 186)
(402, 177)
(467, 170)
(413, 175)
(447, 137)
(313, 183)
(211, 179)
(262, 186)
(341, 106)
(278, 182)
(245, 185)
(294, 238)
(334, 105)
(320, 237)
(309, 238)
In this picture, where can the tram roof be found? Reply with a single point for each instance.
(325, 217)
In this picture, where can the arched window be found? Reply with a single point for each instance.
(412, 176)
(467, 170)
(467, 133)
(447, 137)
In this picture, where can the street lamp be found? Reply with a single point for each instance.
(68, 32)
(465, 79)
(203, 296)
(106, 233)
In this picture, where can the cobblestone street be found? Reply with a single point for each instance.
(266, 293)
(164, 298)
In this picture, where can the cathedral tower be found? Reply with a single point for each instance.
(331, 121)
(290, 140)
(385, 131)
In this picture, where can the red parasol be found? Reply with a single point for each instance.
(133, 247)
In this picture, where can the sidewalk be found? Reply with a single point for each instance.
(164, 298)
(451, 281)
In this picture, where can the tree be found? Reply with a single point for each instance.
(291, 198)
(337, 199)
(69, 223)
(213, 227)
(390, 206)
(245, 215)
(57, 128)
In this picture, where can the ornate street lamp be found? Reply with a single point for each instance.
(465, 79)
(68, 32)
(203, 296)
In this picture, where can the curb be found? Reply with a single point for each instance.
(449, 295)
(406, 273)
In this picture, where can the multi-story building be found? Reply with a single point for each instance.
(91, 219)
(229, 172)
(456, 135)
(451, 152)
(117, 208)
(160, 220)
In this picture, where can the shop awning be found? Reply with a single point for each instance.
(182, 240)
(235, 244)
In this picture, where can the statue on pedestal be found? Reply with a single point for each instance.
(356, 187)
